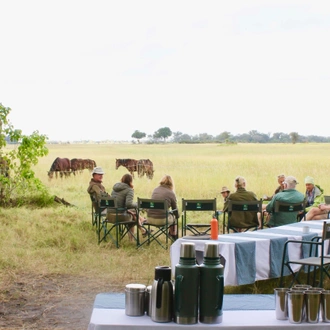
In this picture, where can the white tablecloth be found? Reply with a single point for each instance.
(115, 319)
(261, 251)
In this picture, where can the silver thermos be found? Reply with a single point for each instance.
(162, 295)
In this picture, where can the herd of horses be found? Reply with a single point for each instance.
(64, 167)
(141, 166)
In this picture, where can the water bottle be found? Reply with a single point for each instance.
(186, 291)
(211, 285)
(214, 228)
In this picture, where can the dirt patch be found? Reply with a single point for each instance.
(48, 302)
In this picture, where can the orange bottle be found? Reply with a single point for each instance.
(214, 228)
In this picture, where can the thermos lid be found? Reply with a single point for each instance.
(135, 287)
(187, 250)
(163, 272)
(211, 250)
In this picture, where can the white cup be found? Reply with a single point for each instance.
(305, 229)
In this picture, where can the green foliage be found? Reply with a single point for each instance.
(163, 133)
(138, 135)
(17, 179)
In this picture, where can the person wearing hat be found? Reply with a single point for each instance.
(290, 195)
(225, 193)
(314, 198)
(95, 187)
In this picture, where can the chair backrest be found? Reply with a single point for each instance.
(199, 204)
(154, 204)
(327, 199)
(289, 207)
(245, 206)
(107, 202)
(326, 231)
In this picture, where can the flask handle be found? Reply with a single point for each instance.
(159, 291)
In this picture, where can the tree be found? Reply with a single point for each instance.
(164, 133)
(294, 137)
(138, 135)
(19, 178)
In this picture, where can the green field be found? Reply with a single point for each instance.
(61, 239)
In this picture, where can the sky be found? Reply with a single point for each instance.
(101, 69)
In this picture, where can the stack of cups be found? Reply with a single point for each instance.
(302, 303)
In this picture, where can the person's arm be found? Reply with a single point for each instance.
(129, 200)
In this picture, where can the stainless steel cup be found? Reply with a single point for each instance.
(312, 303)
(147, 302)
(295, 306)
(325, 305)
(281, 303)
(134, 299)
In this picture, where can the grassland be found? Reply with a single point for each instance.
(60, 241)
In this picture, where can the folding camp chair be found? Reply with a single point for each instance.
(241, 206)
(159, 229)
(297, 208)
(198, 205)
(115, 223)
(316, 261)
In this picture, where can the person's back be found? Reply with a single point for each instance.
(162, 193)
(288, 195)
(124, 195)
(242, 219)
(165, 191)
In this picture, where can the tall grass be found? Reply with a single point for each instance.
(61, 239)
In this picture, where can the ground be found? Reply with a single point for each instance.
(48, 302)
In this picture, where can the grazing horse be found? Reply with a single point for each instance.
(130, 164)
(60, 165)
(79, 164)
(145, 166)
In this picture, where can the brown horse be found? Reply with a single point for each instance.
(61, 166)
(145, 167)
(79, 164)
(130, 164)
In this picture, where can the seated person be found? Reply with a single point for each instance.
(319, 213)
(290, 195)
(124, 193)
(241, 220)
(95, 187)
(280, 180)
(314, 197)
(165, 190)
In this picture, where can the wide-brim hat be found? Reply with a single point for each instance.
(224, 189)
(98, 170)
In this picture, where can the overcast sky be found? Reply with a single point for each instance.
(101, 69)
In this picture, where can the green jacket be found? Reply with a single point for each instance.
(318, 197)
(284, 218)
(242, 219)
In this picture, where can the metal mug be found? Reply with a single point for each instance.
(281, 303)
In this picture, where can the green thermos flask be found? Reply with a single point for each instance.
(211, 285)
(186, 291)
